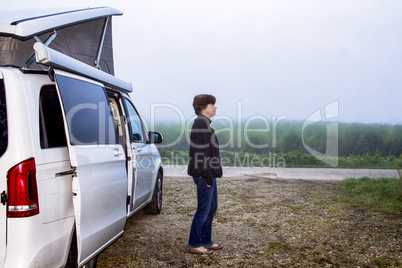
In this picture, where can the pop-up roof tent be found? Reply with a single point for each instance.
(83, 34)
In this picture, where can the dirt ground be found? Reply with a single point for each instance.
(262, 221)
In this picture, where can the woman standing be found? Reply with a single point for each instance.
(204, 166)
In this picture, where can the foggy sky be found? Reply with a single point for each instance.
(269, 58)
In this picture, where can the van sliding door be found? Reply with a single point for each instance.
(98, 164)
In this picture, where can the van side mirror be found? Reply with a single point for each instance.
(155, 137)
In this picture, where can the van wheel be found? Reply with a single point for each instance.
(72, 256)
(91, 263)
(155, 206)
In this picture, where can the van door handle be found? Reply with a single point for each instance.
(117, 152)
(139, 150)
(65, 173)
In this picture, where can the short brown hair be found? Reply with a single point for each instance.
(201, 102)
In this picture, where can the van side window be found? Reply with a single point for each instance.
(88, 115)
(134, 122)
(3, 120)
(52, 132)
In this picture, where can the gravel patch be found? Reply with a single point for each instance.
(263, 221)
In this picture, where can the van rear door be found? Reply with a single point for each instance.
(98, 164)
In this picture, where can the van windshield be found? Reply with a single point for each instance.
(3, 120)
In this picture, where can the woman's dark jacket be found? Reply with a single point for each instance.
(204, 159)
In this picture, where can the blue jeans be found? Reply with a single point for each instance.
(200, 233)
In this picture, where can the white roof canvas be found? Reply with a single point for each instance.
(82, 34)
(27, 23)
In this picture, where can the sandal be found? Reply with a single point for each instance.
(215, 247)
(196, 251)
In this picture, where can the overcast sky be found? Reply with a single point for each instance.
(269, 58)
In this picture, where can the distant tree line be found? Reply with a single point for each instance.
(260, 137)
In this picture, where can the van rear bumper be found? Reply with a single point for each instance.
(47, 246)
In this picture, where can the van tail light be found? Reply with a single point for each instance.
(22, 190)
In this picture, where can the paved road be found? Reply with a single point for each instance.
(293, 173)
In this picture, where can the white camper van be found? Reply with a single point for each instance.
(75, 157)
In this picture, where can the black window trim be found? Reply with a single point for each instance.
(40, 123)
(89, 81)
(145, 140)
(6, 140)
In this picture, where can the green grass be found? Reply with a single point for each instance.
(297, 158)
(380, 194)
(134, 260)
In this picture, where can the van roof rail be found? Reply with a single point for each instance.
(57, 60)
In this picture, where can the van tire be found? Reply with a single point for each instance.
(73, 253)
(91, 263)
(155, 206)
